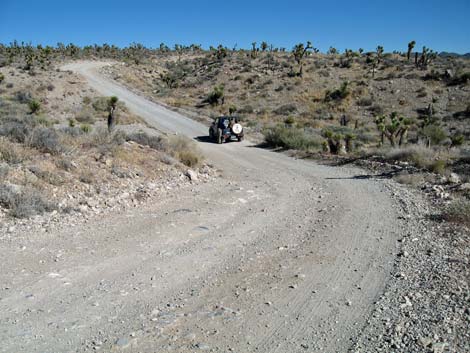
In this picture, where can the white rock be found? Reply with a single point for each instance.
(191, 174)
(453, 178)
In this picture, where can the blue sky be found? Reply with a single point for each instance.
(440, 25)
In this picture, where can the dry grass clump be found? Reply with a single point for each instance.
(185, 150)
(179, 147)
(10, 152)
(418, 155)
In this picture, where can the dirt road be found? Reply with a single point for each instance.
(279, 255)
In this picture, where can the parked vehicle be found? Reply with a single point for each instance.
(226, 128)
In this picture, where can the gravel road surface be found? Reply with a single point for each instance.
(277, 255)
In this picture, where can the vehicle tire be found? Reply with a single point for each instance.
(211, 135)
(219, 136)
(240, 138)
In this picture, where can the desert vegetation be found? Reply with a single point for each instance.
(405, 108)
(57, 149)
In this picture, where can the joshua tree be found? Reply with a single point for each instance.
(221, 52)
(112, 104)
(332, 51)
(334, 142)
(411, 45)
(427, 55)
(299, 51)
(348, 140)
(380, 51)
(393, 128)
(264, 46)
(254, 50)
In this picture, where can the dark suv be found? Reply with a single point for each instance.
(225, 128)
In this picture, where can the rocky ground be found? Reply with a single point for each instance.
(425, 306)
(90, 202)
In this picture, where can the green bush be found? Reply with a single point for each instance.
(216, 95)
(42, 120)
(2, 77)
(457, 140)
(438, 166)
(338, 94)
(34, 106)
(291, 138)
(434, 134)
(289, 121)
(85, 128)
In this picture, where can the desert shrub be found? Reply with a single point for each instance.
(120, 172)
(101, 138)
(16, 130)
(73, 131)
(286, 109)
(100, 104)
(9, 152)
(460, 79)
(438, 166)
(45, 140)
(216, 95)
(247, 109)
(23, 202)
(42, 120)
(2, 77)
(23, 97)
(65, 164)
(185, 151)
(422, 92)
(85, 116)
(4, 169)
(338, 94)
(434, 134)
(289, 120)
(457, 212)
(156, 142)
(376, 109)
(87, 177)
(416, 154)
(365, 102)
(291, 138)
(50, 87)
(49, 177)
(457, 140)
(34, 106)
(85, 128)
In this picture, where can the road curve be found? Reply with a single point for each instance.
(280, 255)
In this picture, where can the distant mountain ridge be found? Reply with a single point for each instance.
(455, 55)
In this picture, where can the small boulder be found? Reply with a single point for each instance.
(191, 174)
(453, 178)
